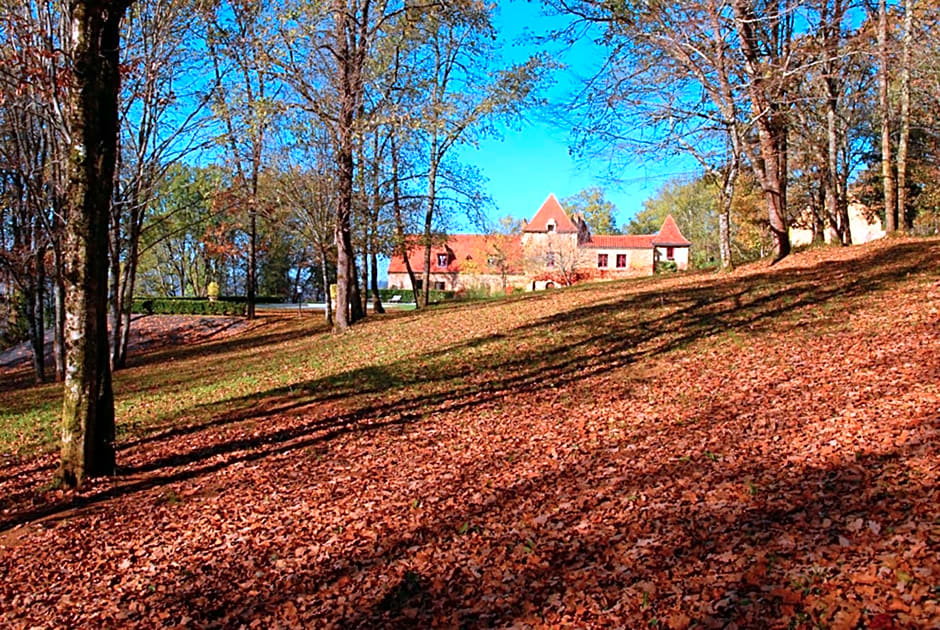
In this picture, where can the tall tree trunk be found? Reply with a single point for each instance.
(376, 298)
(724, 223)
(58, 333)
(905, 115)
(252, 255)
(128, 282)
(88, 405)
(114, 306)
(834, 197)
(356, 312)
(402, 244)
(345, 259)
(428, 222)
(887, 168)
(772, 130)
(364, 294)
(58, 291)
(375, 208)
(36, 309)
(326, 288)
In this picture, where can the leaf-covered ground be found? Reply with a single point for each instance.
(757, 449)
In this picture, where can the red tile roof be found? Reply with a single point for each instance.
(669, 234)
(551, 209)
(621, 241)
(465, 252)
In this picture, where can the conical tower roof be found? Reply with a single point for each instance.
(551, 210)
(670, 235)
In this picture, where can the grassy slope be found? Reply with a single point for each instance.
(759, 448)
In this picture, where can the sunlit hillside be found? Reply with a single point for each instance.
(757, 449)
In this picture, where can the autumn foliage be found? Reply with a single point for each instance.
(754, 449)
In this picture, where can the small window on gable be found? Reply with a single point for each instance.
(601, 261)
(550, 226)
(670, 253)
(621, 261)
(442, 260)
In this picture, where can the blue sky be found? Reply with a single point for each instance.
(532, 158)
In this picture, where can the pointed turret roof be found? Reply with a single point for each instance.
(670, 235)
(551, 210)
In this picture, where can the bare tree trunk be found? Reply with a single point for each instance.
(728, 181)
(88, 405)
(364, 294)
(58, 294)
(772, 175)
(35, 309)
(375, 208)
(326, 289)
(402, 245)
(376, 298)
(356, 312)
(252, 255)
(345, 258)
(772, 128)
(128, 282)
(58, 334)
(905, 116)
(834, 196)
(887, 169)
(114, 306)
(428, 222)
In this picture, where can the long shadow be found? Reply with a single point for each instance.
(687, 542)
(288, 442)
(558, 364)
(726, 304)
(593, 342)
(699, 316)
(208, 349)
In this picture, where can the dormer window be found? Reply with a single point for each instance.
(442, 260)
(550, 226)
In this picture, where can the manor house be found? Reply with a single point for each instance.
(553, 249)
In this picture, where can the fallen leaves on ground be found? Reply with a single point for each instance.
(757, 449)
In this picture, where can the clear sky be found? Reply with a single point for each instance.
(533, 159)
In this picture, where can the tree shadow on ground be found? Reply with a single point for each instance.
(558, 351)
(635, 546)
(564, 348)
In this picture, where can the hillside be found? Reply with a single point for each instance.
(758, 448)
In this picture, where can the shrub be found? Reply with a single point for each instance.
(187, 306)
(408, 296)
(213, 291)
(259, 299)
(667, 266)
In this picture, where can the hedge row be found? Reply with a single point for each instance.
(237, 299)
(187, 306)
(408, 296)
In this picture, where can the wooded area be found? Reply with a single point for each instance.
(757, 448)
(751, 448)
(160, 146)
